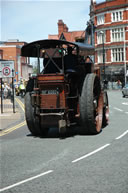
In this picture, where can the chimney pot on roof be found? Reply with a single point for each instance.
(60, 27)
(93, 1)
(60, 21)
(65, 28)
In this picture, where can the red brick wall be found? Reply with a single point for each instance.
(108, 37)
(95, 36)
(110, 4)
(95, 20)
(15, 43)
(108, 54)
(11, 53)
(107, 17)
(127, 54)
(106, 8)
(1, 54)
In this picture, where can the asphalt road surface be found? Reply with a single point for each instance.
(72, 164)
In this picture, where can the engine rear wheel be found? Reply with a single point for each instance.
(91, 105)
(32, 120)
(105, 110)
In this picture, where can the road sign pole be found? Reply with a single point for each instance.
(6, 68)
(1, 97)
(13, 95)
(7, 71)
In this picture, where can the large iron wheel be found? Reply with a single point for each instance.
(32, 120)
(105, 110)
(91, 105)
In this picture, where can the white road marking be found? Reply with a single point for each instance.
(118, 109)
(125, 103)
(122, 135)
(24, 181)
(4, 115)
(126, 112)
(91, 153)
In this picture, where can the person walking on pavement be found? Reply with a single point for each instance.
(6, 90)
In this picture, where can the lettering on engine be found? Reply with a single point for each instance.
(54, 92)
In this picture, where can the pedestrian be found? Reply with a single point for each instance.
(6, 90)
(2, 94)
(119, 84)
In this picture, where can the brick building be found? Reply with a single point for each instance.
(65, 34)
(11, 50)
(111, 38)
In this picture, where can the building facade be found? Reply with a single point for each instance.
(65, 34)
(11, 50)
(110, 19)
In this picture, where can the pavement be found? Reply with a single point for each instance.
(9, 117)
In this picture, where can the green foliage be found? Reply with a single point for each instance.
(35, 70)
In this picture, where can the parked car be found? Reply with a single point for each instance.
(125, 90)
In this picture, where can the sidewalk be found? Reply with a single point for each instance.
(8, 118)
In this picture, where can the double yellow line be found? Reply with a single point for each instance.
(6, 131)
(20, 103)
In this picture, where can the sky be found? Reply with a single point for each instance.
(31, 20)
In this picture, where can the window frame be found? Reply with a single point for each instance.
(117, 16)
(100, 37)
(100, 19)
(100, 56)
(117, 34)
(117, 54)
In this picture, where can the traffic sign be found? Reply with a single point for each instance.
(7, 69)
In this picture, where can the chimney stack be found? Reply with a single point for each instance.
(62, 27)
(65, 28)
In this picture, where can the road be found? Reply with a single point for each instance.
(73, 164)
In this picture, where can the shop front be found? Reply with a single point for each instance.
(115, 76)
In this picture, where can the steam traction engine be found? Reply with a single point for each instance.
(67, 91)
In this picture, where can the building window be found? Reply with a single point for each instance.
(117, 16)
(101, 38)
(117, 55)
(100, 56)
(100, 19)
(117, 35)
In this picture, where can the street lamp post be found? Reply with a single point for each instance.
(104, 59)
(103, 52)
(125, 65)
